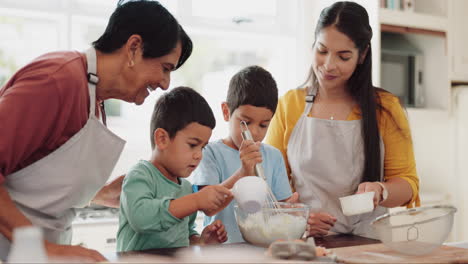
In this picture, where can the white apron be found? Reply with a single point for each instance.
(327, 162)
(47, 191)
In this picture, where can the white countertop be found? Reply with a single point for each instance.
(460, 244)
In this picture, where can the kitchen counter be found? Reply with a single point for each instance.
(225, 253)
(343, 240)
(459, 244)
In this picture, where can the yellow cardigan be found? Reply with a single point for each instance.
(395, 133)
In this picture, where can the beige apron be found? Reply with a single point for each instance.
(327, 162)
(47, 191)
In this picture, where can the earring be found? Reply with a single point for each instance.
(131, 63)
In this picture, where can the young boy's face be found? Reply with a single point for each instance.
(184, 151)
(257, 118)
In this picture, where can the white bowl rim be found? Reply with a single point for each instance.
(286, 210)
(357, 195)
(451, 210)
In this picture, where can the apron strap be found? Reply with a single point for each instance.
(93, 79)
(309, 99)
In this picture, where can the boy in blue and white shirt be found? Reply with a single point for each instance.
(252, 97)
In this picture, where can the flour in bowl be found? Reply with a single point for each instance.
(261, 230)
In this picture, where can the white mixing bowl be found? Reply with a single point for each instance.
(415, 231)
(289, 222)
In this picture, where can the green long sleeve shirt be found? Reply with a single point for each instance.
(145, 221)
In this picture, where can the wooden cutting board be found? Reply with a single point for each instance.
(379, 253)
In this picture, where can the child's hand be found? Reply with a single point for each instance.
(213, 199)
(213, 234)
(250, 155)
(319, 224)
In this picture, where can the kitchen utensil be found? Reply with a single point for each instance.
(357, 203)
(246, 135)
(415, 231)
(250, 193)
(285, 221)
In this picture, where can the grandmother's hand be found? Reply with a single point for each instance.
(109, 195)
(72, 253)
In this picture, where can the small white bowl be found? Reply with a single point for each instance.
(250, 193)
(357, 203)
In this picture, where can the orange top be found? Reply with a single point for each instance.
(41, 107)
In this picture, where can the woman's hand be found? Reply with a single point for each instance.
(319, 224)
(372, 187)
(73, 253)
(213, 234)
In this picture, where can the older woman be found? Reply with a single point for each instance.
(55, 154)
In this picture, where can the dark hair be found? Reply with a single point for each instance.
(158, 29)
(352, 20)
(178, 108)
(252, 85)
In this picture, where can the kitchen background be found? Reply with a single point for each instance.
(277, 35)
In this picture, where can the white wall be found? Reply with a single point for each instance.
(432, 133)
(460, 182)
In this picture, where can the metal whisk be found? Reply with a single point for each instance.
(246, 135)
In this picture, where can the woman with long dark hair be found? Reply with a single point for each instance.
(339, 134)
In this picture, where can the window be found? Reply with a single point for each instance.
(217, 57)
(259, 16)
(228, 35)
(221, 47)
(261, 12)
(26, 35)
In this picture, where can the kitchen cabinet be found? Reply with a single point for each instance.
(100, 235)
(458, 39)
(460, 181)
(414, 20)
(426, 29)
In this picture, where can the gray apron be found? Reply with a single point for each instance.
(327, 162)
(47, 191)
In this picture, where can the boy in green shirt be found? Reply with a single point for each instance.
(157, 205)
